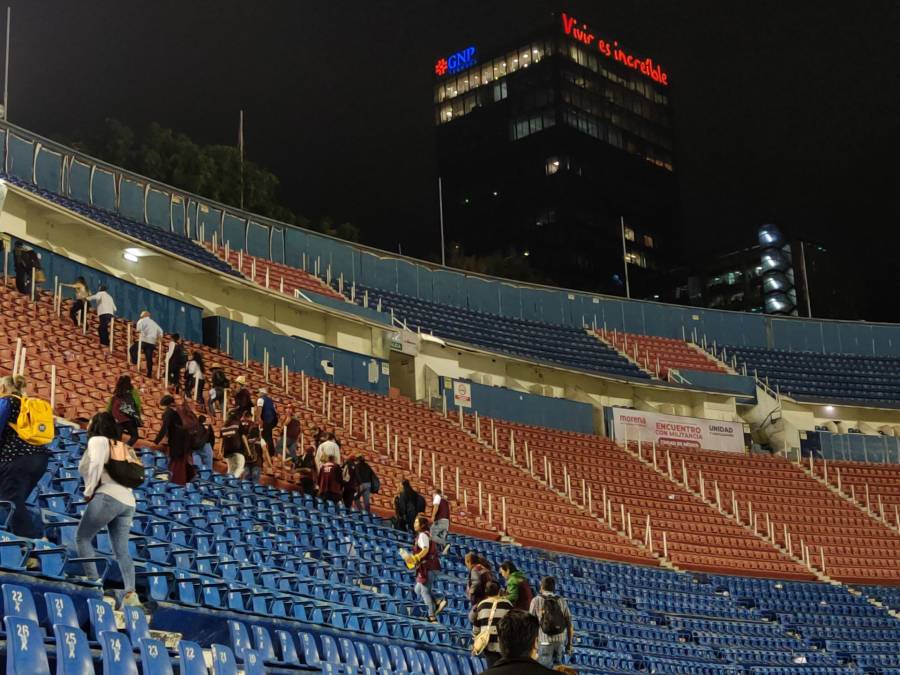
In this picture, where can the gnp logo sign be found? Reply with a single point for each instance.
(455, 62)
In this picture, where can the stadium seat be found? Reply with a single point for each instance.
(223, 662)
(25, 652)
(118, 658)
(190, 659)
(73, 653)
(154, 657)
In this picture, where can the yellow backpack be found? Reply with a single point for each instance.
(35, 422)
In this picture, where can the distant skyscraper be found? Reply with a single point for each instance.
(545, 145)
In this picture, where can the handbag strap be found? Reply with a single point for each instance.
(491, 617)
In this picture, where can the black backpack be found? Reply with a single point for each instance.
(219, 381)
(552, 619)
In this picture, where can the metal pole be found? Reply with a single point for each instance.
(6, 67)
(440, 186)
(625, 257)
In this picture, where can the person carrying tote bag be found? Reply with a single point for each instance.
(110, 470)
(485, 617)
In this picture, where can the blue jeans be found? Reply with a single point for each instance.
(424, 592)
(17, 479)
(363, 496)
(439, 530)
(204, 457)
(102, 511)
(551, 654)
(254, 473)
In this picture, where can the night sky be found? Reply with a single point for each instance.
(785, 112)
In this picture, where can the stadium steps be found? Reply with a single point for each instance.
(657, 356)
(272, 275)
(697, 537)
(668, 470)
(872, 488)
(855, 547)
(583, 507)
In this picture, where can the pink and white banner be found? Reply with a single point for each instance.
(688, 432)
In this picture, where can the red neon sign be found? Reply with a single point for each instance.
(613, 51)
(440, 68)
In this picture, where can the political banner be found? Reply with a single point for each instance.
(687, 432)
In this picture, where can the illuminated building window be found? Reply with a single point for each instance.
(500, 91)
(648, 241)
(551, 166)
(629, 234)
(635, 259)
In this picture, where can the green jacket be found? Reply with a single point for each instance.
(518, 590)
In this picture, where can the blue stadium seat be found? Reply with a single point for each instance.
(73, 652)
(190, 659)
(18, 601)
(25, 652)
(61, 610)
(136, 624)
(102, 617)
(118, 657)
(288, 648)
(223, 662)
(154, 657)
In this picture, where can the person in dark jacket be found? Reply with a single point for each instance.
(309, 474)
(171, 429)
(331, 485)
(518, 590)
(267, 416)
(21, 464)
(235, 448)
(25, 262)
(366, 476)
(125, 406)
(243, 401)
(292, 433)
(204, 456)
(479, 574)
(517, 635)
(407, 505)
(218, 383)
(177, 359)
(351, 481)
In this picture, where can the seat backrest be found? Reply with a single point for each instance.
(223, 662)
(263, 642)
(330, 653)
(73, 653)
(240, 638)
(348, 653)
(118, 659)
(102, 617)
(18, 601)
(61, 610)
(25, 653)
(136, 622)
(190, 659)
(155, 657)
(366, 660)
(425, 664)
(253, 663)
(310, 649)
(288, 647)
(382, 656)
(399, 660)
